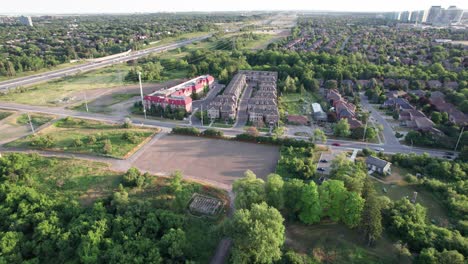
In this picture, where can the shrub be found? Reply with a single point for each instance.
(77, 143)
(411, 178)
(92, 139)
(186, 131)
(211, 132)
(42, 141)
(107, 148)
(134, 178)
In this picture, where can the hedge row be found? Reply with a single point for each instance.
(274, 140)
(192, 131)
(243, 137)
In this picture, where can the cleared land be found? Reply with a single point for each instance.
(89, 137)
(10, 129)
(214, 160)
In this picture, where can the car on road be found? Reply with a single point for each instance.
(449, 153)
(336, 144)
(320, 169)
(324, 161)
(379, 149)
(447, 157)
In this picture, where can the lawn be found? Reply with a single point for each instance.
(335, 243)
(88, 137)
(297, 103)
(104, 104)
(64, 90)
(435, 210)
(4, 114)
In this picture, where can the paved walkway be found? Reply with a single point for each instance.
(242, 115)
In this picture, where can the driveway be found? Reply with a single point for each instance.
(242, 115)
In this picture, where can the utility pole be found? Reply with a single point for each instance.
(86, 102)
(201, 114)
(30, 123)
(141, 93)
(365, 129)
(459, 137)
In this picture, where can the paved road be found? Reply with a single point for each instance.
(242, 115)
(33, 79)
(388, 133)
(390, 146)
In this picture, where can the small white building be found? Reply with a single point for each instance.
(318, 113)
(379, 165)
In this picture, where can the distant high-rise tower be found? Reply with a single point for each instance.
(26, 20)
(405, 16)
(434, 14)
(451, 15)
(414, 16)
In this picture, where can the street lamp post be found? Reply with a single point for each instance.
(141, 93)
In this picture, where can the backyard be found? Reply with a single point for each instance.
(297, 103)
(88, 137)
(335, 243)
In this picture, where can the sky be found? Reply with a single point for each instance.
(131, 6)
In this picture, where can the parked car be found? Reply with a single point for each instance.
(320, 169)
(324, 161)
(447, 157)
(336, 144)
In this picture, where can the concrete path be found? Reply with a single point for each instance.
(242, 115)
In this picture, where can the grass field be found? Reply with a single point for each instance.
(435, 210)
(334, 243)
(64, 90)
(36, 119)
(89, 137)
(5, 114)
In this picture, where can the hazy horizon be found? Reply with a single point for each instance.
(34, 7)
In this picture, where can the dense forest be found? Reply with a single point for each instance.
(52, 227)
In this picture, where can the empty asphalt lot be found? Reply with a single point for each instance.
(212, 160)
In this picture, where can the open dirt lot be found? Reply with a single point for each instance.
(212, 160)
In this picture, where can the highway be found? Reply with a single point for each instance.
(47, 76)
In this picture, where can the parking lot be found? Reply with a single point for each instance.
(212, 160)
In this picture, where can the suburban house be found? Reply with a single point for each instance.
(179, 96)
(262, 107)
(225, 106)
(398, 104)
(379, 165)
(343, 108)
(455, 116)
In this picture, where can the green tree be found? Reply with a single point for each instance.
(371, 221)
(451, 257)
(274, 191)
(341, 129)
(332, 197)
(293, 194)
(173, 244)
(310, 204)
(436, 117)
(249, 190)
(257, 234)
(352, 209)
(319, 135)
